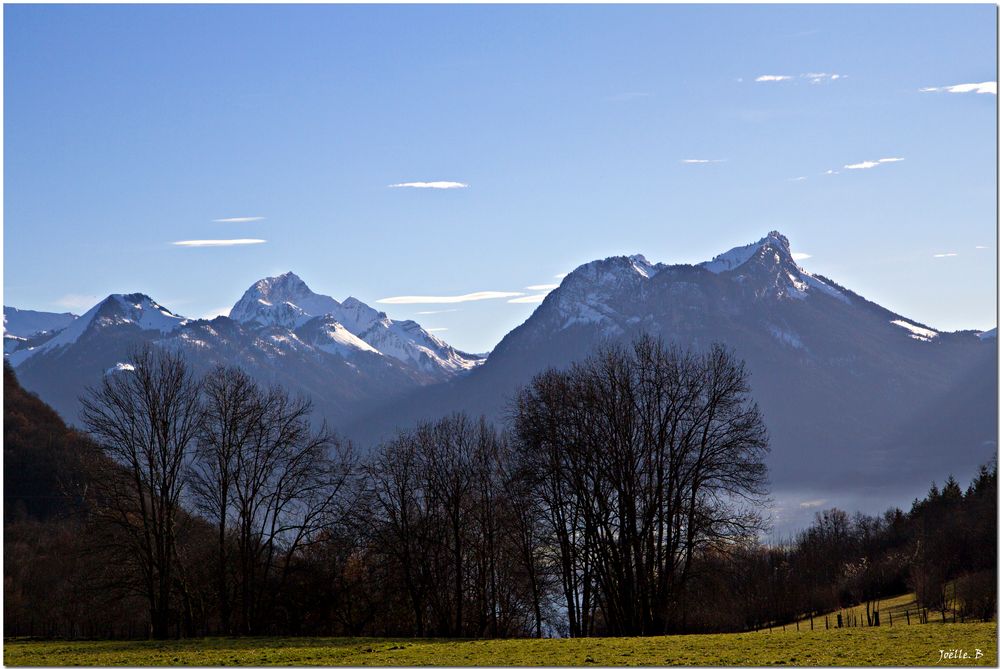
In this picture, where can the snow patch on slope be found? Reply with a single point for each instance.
(733, 258)
(916, 332)
(820, 285)
(12, 342)
(334, 338)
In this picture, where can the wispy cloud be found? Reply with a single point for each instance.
(820, 77)
(812, 503)
(238, 219)
(441, 185)
(980, 246)
(702, 161)
(436, 311)
(798, 179)
(811, 77)
(801, 256)
(528, 299)
(448, 299)
(865, 165)
(77, 301)
(219, 242)
(437, 329)
(944, 255)
(987, 87)
(542, 286)
(831, 172)
(561, 276)
(868, 164)
(625, 97)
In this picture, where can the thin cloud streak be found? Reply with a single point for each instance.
(448, 299)
(811, 77)
(561, 276)
(702, 161)
(528, 299)
(436, 311)
(868, 164)
(944, 255)
(542, 286)
(820, 77)
(801, 256)
(440, 185)
(238, 219)
(985, 87)
(218, 242)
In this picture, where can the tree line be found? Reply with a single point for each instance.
(623, 496)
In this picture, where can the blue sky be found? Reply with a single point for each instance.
(129, 128)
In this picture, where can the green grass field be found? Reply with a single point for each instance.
(900, 645)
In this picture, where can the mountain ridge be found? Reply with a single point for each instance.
(848, 388)
(837, 375)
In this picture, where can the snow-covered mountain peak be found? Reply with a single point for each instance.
(769, 266)
(643, 266)
(134, 309)
(139, 309)
(124, 309)
(282, 287)
(286, 301)
(772, 249)
(358, 316)
(283, 300)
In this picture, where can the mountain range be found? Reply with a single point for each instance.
(339, 354)
(858, 400)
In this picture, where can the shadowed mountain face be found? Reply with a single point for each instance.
(857, 399)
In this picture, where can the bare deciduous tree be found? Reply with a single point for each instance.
(232, 413)
(644, 457)
(146, 416)
(266, 473)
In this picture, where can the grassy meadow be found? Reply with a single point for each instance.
(893, 612)
(898, 645)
